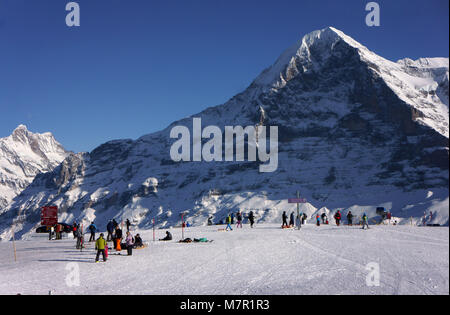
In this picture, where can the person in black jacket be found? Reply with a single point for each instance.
(324, 218)
(251, 219)
(138, 241)
(337, 217)
(117, 238)
(110, 229)
(167, 238)
(284, 216)
(291, 219)
(350, 218)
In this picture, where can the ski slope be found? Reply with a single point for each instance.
(263, 260)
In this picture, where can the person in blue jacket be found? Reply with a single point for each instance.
(110, 229)
(92, 228)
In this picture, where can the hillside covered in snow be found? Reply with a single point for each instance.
(23, 155)
(355, 131)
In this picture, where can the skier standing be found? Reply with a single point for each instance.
(92, 228)
(239, 219)
(350, 218)
(110, 229)
(304, 217)
(291, 219)
(118, 239)
(50, 233)
(317, 220)
(324, 218)
(79, 236)
(130, 243)
(74, 229)
(251, 219)
(128, 223)
(100, 246)
(284, 216)
(338, 217)
(229, 220)
(365, 221)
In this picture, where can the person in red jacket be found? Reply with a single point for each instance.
(338, 217)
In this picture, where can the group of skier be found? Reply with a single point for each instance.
(323, 219)
(115, 236)
(239, 219)
(301, 220)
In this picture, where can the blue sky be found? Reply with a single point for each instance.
(135, 66)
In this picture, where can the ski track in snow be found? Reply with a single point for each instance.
(262, 260)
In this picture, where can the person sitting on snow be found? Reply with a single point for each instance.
(167, 238)
(138, 241)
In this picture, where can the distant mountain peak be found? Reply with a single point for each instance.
(21, 127)
(314, 46)
(23, 155)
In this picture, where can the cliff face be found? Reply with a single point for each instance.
(355, 130)
(23, 155)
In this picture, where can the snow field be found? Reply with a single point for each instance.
(262, 260)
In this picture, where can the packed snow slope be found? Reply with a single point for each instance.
(262, 260)
(356, 131)
(23, 155)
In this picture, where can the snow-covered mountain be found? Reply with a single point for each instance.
(23, 155)
(356, 131)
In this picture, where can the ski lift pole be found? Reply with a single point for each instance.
(182, 227)
(14, 244)
(153, 229)
(298, 212)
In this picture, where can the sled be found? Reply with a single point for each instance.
(145, 245)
